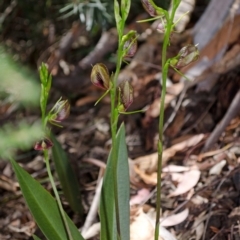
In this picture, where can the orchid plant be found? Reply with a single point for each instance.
(115, 195)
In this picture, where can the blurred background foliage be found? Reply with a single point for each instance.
(17, 83)
(25, 25)
(32, 29)
(18, 90)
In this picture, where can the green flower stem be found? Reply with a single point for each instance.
(46, 82)
(43, 103)
(46, 158)
(165, 66)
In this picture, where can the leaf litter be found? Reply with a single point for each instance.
(200, 190)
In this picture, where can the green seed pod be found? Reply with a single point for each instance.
(186, 55)
(126, 94)
(100, 76)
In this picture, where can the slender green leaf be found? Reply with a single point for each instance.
(67, 177)
(43, 207)
(107, 205)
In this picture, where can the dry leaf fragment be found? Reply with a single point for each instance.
(188, 181)
(177, 177)
(148, 163)
(142, 228)
(147, 178)
(216, 169)
(175, 168)
(154, 108)
(165, 234)
(174, 219)
(92, 231)
(141, 196)
(198, 225)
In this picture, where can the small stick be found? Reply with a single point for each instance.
(231, 113)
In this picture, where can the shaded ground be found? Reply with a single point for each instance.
(206, 190)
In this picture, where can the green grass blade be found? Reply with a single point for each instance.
(67, 177)
(107, 207)
(43, 207)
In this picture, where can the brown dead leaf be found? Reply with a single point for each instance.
(188, 181)
(177, 124)
(165, 234)
(92, 231)
(86, 100)
(217, 168)
(141, 197)
(8, 184)
(174, 219)
(147, 178)
(154, 108)
(192, 141)
(148, 164)
(177, 177)
(142, 228)
(175, 89)
(198, 225)
(175, 168)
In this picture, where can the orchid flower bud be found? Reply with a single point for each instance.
(130, 45)
(100, 76)
(44, 144)
(126, 95)
(151, 8)
(60, 111)
(186, 55)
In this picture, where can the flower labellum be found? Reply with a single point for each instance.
(44, 144)
(126, 95)
(131, 47)
(62, 109)
(186, 55)
(100, 76)
(59, 112)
